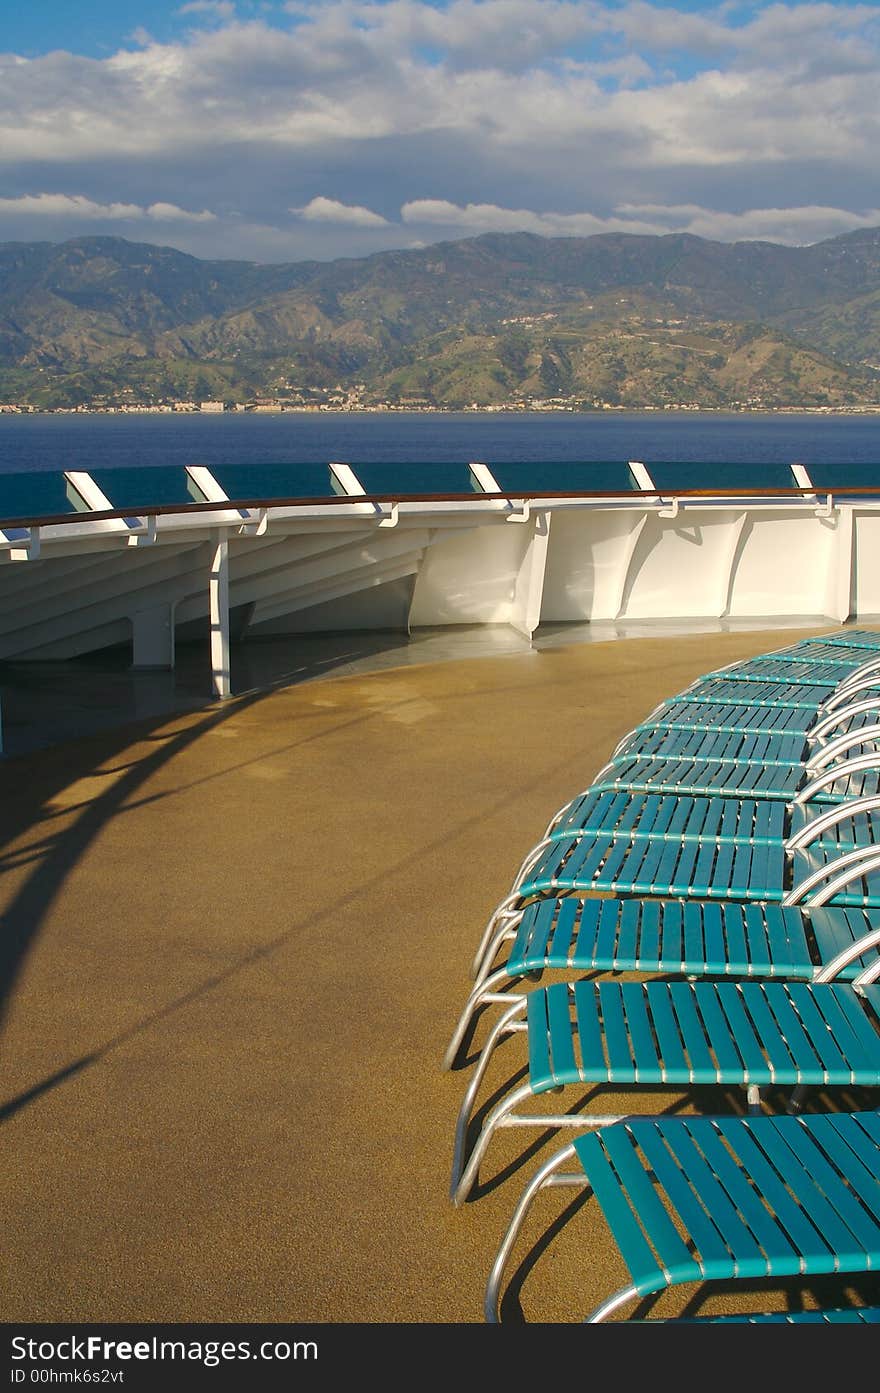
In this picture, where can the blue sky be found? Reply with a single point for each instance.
(289, 131)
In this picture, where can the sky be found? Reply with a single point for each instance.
(317, 129)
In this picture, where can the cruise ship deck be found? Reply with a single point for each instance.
(237, 937)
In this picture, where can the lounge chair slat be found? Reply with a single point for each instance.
(628, 1200)
(725, 1244)
(670, 1044)
(563, 1064)
(540, 1065)
(826, 1193)
(784, 1174)
(851, 1142)
(635, 1006)
(620, 1067)
(645, 925)
(759, 1191)
(732, 1032)
(715, 952)
(702, 1066)
(839, 1026)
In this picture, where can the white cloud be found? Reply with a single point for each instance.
(476, 218)
(550, 115)
(169, 212)
(362, 72)
(62, 205)
(329, 210)
(221, 9)
(795, 226)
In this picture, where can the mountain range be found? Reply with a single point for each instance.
(616, 320)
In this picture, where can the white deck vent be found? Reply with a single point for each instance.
(85, 496)
(640, 476)
(344, 481)
(801, 476)
(482, 478)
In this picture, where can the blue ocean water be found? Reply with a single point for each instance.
(430, 451)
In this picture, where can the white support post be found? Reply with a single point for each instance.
(730, 552)
(218, 609)
(625, 566)
(840, 598)
(530, 578)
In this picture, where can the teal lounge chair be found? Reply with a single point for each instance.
(595, 809)
(811, 662)
(701, 1201)
(671, 938)
(852, 638)
(778, 682)
(740, 768)
(673, 1035)
(742, 745)
(746, 731)
(772, 668)
(670, 846)
(691, 713)
(758, 768)
(787, 690)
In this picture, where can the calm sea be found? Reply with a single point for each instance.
(560, 448)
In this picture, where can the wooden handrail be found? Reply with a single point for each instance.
(534, 495)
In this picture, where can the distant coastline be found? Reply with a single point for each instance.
(594, 327)
(25, 409)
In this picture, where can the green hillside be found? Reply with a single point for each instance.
(501, 319)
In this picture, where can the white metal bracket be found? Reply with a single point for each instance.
(255, 526)
(145, 534)
(390, 520)
(26, 548)
(826, 509)
(522, 516)
(669, 510)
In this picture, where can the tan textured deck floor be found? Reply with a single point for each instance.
(242, 937)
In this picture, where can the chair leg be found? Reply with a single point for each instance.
(509, 1023)
(508, 907)
(482, 993)
(505, 933)
(795, 1104)
(464, 1176)
(548, 1174)
(753, 1098)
